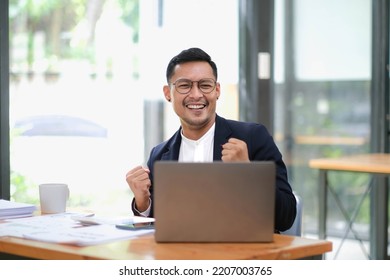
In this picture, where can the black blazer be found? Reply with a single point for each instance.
(261, 146)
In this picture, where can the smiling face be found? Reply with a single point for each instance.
(195, 109)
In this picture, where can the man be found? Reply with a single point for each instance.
(204, 136)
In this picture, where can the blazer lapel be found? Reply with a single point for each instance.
(221, 136)
(173, 148)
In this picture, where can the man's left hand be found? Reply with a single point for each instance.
(235, 150)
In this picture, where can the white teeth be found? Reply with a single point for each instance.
(195, 106)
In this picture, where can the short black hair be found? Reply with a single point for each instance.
(189, 55)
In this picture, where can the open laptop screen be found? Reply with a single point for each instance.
(214, 202)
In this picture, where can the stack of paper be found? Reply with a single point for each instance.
(11, 209)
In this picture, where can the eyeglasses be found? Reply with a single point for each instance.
(184, 86)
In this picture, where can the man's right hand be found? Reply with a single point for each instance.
(139, 183)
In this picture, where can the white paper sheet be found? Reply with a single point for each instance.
(61, 228)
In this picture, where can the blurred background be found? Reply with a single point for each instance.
(86, 101)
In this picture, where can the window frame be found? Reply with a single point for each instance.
(4, 102)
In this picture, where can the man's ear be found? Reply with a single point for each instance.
(167, 93)
(218, 90)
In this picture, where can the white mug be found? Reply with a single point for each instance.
(53, 197)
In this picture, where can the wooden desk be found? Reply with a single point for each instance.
(374, 164)
(145, 248)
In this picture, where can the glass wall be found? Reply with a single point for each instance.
(83, 74)
(322, 98)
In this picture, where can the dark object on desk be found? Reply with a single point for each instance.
(214, 202)
(136, 226)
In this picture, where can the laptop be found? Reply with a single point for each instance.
(214, 202)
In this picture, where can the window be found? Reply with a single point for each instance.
(322, 97)
(84, 77)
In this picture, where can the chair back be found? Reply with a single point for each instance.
(296, 228)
